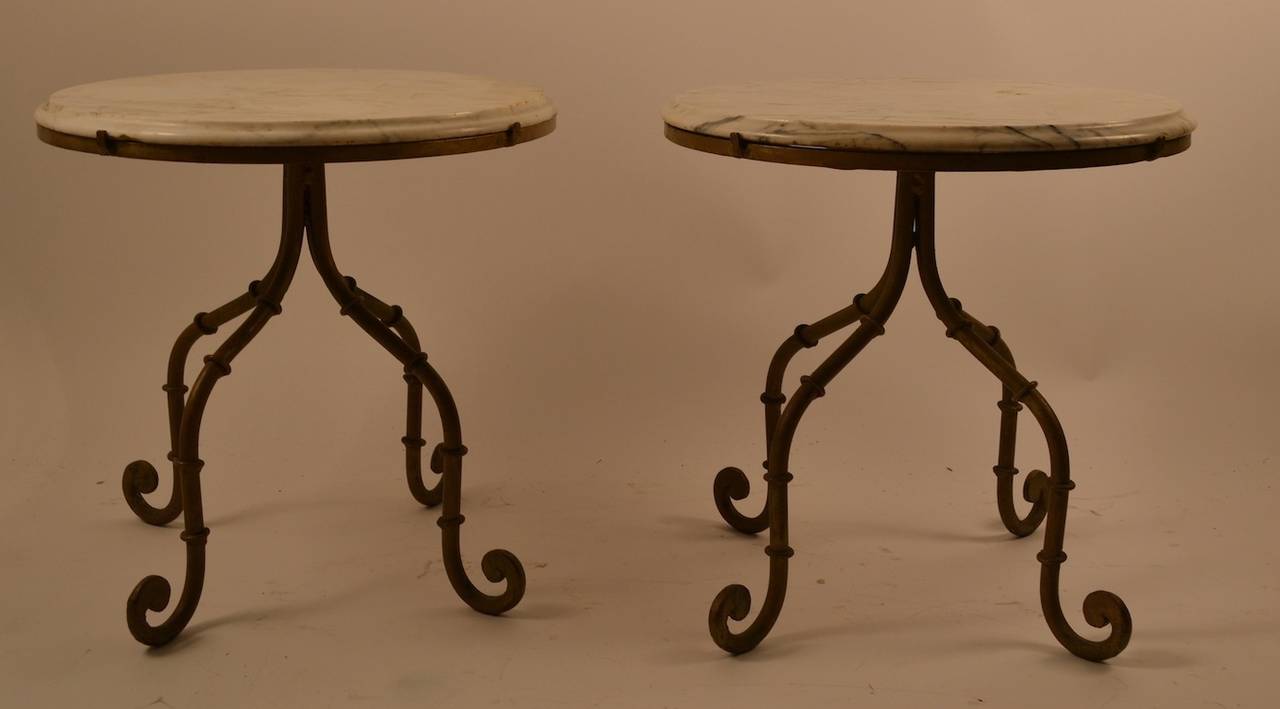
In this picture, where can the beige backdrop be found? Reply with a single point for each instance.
(603, 305)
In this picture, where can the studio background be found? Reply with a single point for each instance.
(603, 305)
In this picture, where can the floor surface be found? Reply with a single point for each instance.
(325, 586)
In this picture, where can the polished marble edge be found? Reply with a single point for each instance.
(916, 161)
(529, 106)
(697, 111)
(284, 154)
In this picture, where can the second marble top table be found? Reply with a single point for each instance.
(302, 119)
(919, 128)
(929, 125)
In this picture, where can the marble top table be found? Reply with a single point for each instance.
(287, 115)
(918, 128)
(890, 124)
(301, 119)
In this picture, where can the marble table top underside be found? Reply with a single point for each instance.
(294, 107)
(908, 115)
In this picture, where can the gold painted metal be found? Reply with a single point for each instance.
(304, 220)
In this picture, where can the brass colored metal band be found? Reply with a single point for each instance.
(802, 336)
(419, 360)
(222, 367)
(202, 326)
(1053, 558)
(1025, 391)
(818, 389)
(1010, 406)
(454, 521)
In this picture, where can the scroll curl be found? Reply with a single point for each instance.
(732, 484)
(141, 478)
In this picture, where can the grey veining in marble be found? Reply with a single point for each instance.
(929, 116)
(292, 107)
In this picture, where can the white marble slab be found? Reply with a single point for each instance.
(292, 107)
(929, 116)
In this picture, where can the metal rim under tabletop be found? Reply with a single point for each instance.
(105, 144)
(739, 147)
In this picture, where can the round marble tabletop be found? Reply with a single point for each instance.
(909, 116)
(290, 108)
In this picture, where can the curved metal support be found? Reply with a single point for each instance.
(393, 317)
(498, 565)
(153, 592)
(731, 483)
(140, 477)
(734, 601)
(1101, 608)
(1034, 486)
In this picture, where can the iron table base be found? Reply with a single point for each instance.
(304, 219)
(913, 231)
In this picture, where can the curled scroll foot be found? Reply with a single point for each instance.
(732, 484)
(140, 478)
(1101, 609)
(733, 601)
(151, 594)
(425, 496)
(501, 565)
(154, 592)
(432, 496)
(498, 565)
(1034, 490)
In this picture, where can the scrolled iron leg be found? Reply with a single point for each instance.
(498, 565)
(1102, 609)
(393, 317)
(1034, 486)
(140, 477)
(153, 593)
(734, 601)
(731, 483)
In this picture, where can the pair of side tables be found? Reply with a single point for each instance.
(305, 118)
